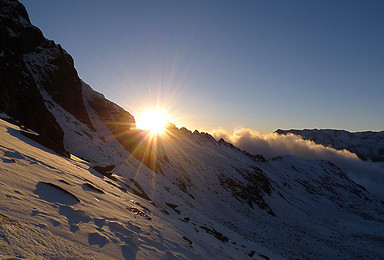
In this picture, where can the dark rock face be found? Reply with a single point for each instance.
(35, 72)
(123, 127)
(30, 64)
(19, 95)
(54, 71)
(113, 116)
(252, 191)
(16, 30)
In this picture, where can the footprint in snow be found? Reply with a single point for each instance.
(97, 239)
(74, 217)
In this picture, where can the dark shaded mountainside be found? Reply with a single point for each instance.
(183, 188)
(23, 45)
(367, 145)
(32, 67)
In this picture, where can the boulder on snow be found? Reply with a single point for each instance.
(90, 187)
(104, 169)
(173, 206)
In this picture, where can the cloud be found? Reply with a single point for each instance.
(273, 144)
(368, 174)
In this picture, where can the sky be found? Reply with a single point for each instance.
(229, 65)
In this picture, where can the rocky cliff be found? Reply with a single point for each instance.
(127, 194)
(31, 65)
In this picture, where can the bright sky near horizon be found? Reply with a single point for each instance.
(229, 64)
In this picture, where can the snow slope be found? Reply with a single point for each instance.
(93, 217)
(197, 210)
(117, 192)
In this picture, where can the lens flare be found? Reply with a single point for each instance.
(153, 120)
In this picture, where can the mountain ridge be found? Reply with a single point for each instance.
(367, 145)
(123, 194)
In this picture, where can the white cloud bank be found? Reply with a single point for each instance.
(368, 174)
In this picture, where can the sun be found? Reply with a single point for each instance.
(152, 120)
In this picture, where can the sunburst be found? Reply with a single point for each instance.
(153, 120)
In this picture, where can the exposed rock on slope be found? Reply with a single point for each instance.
(198, 198)
(30, 64)
(296, 208)
(19, 93)
(113, 116)
(121, 126)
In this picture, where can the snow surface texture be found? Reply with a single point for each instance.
(206, 199)
(56, 207)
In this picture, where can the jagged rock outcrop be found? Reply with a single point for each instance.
(122, 126)
(205, 188)
(113, 116)
(39, 82)
(31, 65)
(19, 94)
(53, 70)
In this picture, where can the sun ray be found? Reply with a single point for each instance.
(153, 120)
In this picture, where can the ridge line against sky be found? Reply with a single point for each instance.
(262, 65)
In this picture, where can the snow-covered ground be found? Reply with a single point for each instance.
(55, 207)
(182, 195)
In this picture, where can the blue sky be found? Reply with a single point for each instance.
(230, 64)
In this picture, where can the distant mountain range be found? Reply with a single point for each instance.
(79, 181)
(366, 145)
